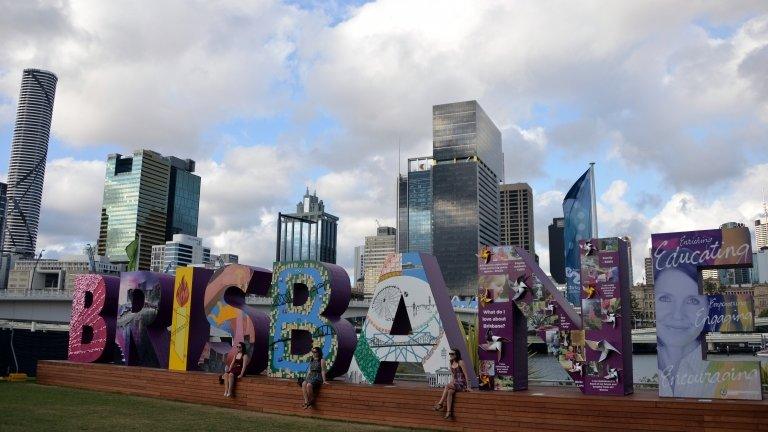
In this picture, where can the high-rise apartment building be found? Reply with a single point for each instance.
(5, 258)
(26, 170)
(462, 179)
(377, 248)
(516, 210)
(557, 250)
(181, 251)
(308, 234)
(3, 206)
(139, 201)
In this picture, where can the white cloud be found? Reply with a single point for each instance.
(639, 82)
(159, 76)
(71, 206)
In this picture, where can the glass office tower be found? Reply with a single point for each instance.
(140, 202)
(453, 201)
(183, 199)
(308, 234)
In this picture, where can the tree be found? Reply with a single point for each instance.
(711, 286)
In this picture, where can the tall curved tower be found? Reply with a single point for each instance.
(26, 170)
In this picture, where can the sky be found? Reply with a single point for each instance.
(668, 98)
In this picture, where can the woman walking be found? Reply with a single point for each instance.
(458, 383)
(315, 377)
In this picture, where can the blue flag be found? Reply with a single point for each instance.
(577, 211)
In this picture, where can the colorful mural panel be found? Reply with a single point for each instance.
(308, 299)
(144, 311)
(684, 314)
(230, 321)
(410, 319)
(515, 296)
(189, 326)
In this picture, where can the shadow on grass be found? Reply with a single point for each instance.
(33, 407)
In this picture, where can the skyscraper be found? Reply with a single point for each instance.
(26, 170)
(3, 206)
(516, 208)
(557, 250)
(139, 201)
(308, 234)
(761, 229)
(460, 184)
(5, 258)
(416, 206)
(377, 248)
(761, 233)
(183, 198)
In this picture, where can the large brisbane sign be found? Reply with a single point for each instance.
(192, 321)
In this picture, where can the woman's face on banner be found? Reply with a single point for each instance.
(680, 309)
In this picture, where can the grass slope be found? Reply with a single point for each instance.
(31, 407)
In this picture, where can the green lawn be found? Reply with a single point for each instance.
(31, 407)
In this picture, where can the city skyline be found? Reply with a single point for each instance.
(341, 135)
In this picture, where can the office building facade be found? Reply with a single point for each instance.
(138, 204)
(556, 232)
(377, 248)
(56, 274)
(26, 169)
(183, 250)
(516, 214)
(308, 234)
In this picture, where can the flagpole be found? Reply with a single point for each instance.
(594, 199)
